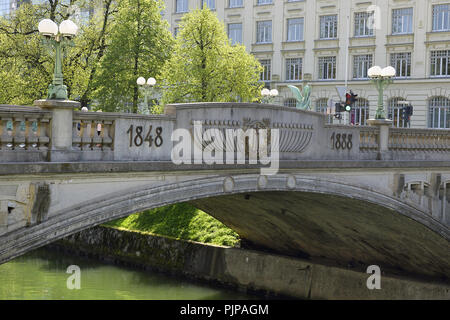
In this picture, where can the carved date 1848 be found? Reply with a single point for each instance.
(137, 137)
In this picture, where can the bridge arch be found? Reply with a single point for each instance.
(338, 222)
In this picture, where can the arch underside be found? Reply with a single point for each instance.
(333, 230)
(318, 220)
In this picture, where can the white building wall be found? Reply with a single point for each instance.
(418, 89)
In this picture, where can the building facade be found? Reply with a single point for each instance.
(298, 39)
(8, 6)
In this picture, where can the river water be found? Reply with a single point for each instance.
(41, 275)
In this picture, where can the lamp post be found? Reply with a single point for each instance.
(269, 95)
(382, 78)
(147, 86)
(58, 37)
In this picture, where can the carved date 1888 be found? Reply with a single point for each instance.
(137, 137)
(341, 141)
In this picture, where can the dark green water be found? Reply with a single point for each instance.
(41, 274)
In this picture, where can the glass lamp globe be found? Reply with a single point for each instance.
(141, 81)
(374, 72)
(265, 92)
(68, 28)
(274, 92)
(388, 72)
(151, 81)
(48, 28)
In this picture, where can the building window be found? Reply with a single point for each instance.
(360, 112)
(395, 113)
(182, 6)
(439, 117)
(327, 68)
(259, 2)
(236, 3)
(293, 69)
(4, 7)
(322, 107)
(295, 29)
(402, 21)
(328, 27)
(266, 73)
(402, 64)
(440, 63)
(441, 17)
(290, 102)
(235, 33)
(211, 4)
(364, 24)
(264, 32)
(361, 65)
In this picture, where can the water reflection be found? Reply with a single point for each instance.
(41, 274)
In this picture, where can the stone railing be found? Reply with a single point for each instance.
(417, 140)
(369, 139)
(24, 133)
(55, 132)
(93, 131)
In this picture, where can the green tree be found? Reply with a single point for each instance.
(139, 45)
(26, 65)
(205, 67)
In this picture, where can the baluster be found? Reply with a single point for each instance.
(97, 135)
(76, 134)
(361, 140)
(393, 140)
(19, 133)
(399, 141)
(447, 142)
(8, 134)
(6, 139)
(31, 134)
(422, 142)
(107, 134)
(43, 134)
(86, 135)
(403, 141)
(375, 140)
(413, 141)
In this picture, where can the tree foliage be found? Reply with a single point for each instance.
(204, 66)
(26, 65)
(139, 45)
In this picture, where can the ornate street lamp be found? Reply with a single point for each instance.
(147, 86)
(58, 37)
(269, 95)
(382, 78)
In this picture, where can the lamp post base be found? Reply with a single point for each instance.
(61, 127)
(383, 139)
(380, 115)
(57, 92)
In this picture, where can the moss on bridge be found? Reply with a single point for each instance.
(181, 221)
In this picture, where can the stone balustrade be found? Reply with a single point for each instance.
(418, 140)
(368, 139)
(26, 134)
(93, 131)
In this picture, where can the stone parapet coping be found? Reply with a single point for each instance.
(24, 168)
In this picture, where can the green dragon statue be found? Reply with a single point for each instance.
(303, 98)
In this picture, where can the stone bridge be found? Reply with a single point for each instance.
(344, 195)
